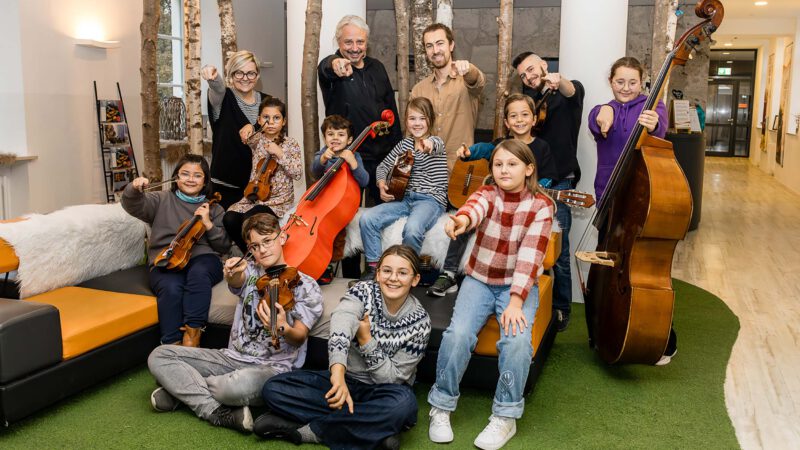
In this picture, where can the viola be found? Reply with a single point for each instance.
(397, 180)
(326, 208)
(258, 189)
(645, 211)
(176, 255)
(277, 288)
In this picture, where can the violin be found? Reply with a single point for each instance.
(397, 181)
(276, 287)
(326, 208)
(540, 110)
(176, 255)
(258, 189)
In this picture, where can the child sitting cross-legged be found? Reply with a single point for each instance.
(219, 385)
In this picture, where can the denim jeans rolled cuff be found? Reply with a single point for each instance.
(442, 400)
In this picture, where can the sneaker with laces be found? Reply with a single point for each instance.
(238, 419)
(666, 358)
(562, 319)
(163, 401)
(443, 285)
(497, 433)
(272, 426)
(439, 430)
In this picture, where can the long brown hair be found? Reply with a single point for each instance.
(522, 152)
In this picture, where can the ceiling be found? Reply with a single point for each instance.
(745, 9)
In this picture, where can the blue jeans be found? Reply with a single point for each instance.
(379, 410)
(562, 284)
(183, 297)
(475, 303)
(422, 210)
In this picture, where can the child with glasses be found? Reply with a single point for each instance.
(218, 385)
(232, 103)
(268, 143)
(378, 335)
(183, 296)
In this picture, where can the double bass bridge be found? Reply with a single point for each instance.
(608, 259)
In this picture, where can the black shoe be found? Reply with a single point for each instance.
(271, 426)
(443, 285)
(562, 318)
(238, 419)
(390, 443)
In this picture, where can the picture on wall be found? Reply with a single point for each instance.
(783, 107)
(121, 157)
(110, 111)
(114, 134)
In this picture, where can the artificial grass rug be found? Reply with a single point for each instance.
(578, 401)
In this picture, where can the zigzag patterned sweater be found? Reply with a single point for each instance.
(398, 341)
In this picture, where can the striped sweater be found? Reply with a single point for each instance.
(429, 173)
(513, 232)
(398, 341)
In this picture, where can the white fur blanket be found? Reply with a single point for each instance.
(73, 245)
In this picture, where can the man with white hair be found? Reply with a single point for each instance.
(357, 87)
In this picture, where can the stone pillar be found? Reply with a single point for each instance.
(593, 36)
(295, 35)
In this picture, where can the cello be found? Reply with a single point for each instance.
(643, 215)
(326, 208)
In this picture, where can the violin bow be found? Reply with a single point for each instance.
(158, 185)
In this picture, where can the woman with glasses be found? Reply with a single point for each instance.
(183, 296)
(232, 104)
(378, 335)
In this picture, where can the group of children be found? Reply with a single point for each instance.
(379, 330)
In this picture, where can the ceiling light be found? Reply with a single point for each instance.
(728, 62)
(728, 44)
(760, 3)
(726, 53)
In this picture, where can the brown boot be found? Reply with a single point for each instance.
(191, 336)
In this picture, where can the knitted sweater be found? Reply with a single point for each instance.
(398, 341)
(513, 232)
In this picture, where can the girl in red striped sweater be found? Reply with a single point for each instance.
(513, 218)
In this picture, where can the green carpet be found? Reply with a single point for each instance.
(578, 402)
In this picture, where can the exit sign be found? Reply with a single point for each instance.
(723, 70)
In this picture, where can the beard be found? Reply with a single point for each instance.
(444, 62)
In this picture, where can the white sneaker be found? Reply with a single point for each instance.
(439, 430)
(497, 433)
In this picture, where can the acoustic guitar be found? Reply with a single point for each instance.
(397, 181)
(468, 176)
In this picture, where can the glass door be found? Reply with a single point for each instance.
(720, 118)
(729, 103)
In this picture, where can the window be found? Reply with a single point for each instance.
(170, 50)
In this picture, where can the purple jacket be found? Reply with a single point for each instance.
(609, 148)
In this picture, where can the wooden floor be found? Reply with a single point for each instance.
(747, 252)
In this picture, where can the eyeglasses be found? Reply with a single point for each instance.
(401, 274)
(239, 75)
(189, 176)
(264, 245)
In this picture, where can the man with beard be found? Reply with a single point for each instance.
(560, 130)
(357, 87)
(454, 88)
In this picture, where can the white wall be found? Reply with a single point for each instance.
(12, 102)
(59, 111)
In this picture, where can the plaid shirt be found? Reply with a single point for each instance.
(513, 231)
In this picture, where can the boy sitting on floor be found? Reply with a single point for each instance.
(218, 385)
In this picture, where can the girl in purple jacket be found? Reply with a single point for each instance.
(613, 122)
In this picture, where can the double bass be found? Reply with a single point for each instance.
(326, 208)
(643, 215)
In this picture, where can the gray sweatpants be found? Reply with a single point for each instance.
(204, 378)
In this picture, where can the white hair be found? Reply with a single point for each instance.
(356, 21)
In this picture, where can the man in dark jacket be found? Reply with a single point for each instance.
(358, 88)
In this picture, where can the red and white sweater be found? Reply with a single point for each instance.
(513, 232)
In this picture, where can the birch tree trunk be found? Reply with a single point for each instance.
(664, 24)
(191, 50)
(403, 89)
(308, 85)
(227, 26)
(421, 17)
(444, 12)
(505, 23)
(151, 16)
